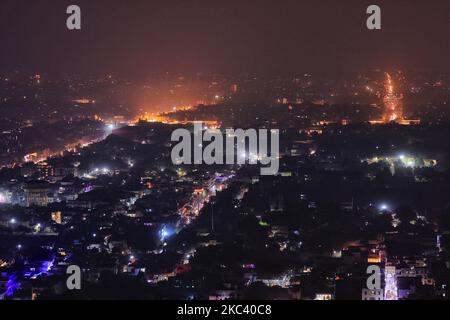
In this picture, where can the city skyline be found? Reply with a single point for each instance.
(224, 153)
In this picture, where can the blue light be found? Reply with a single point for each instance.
(164, 233)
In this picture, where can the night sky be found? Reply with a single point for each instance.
(137, 37)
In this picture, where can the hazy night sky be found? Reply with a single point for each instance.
(134, 37)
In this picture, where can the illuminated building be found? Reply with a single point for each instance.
(38, 194)
(55, 173)
(324, 296)
(374, 258)
(391, 291)
(5, 197)
(34, 295)
(57, 217)
(32, 157)
(375, 294)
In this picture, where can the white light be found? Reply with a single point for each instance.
(13, 221)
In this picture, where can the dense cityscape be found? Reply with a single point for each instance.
(355, 206)
(363, 180)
